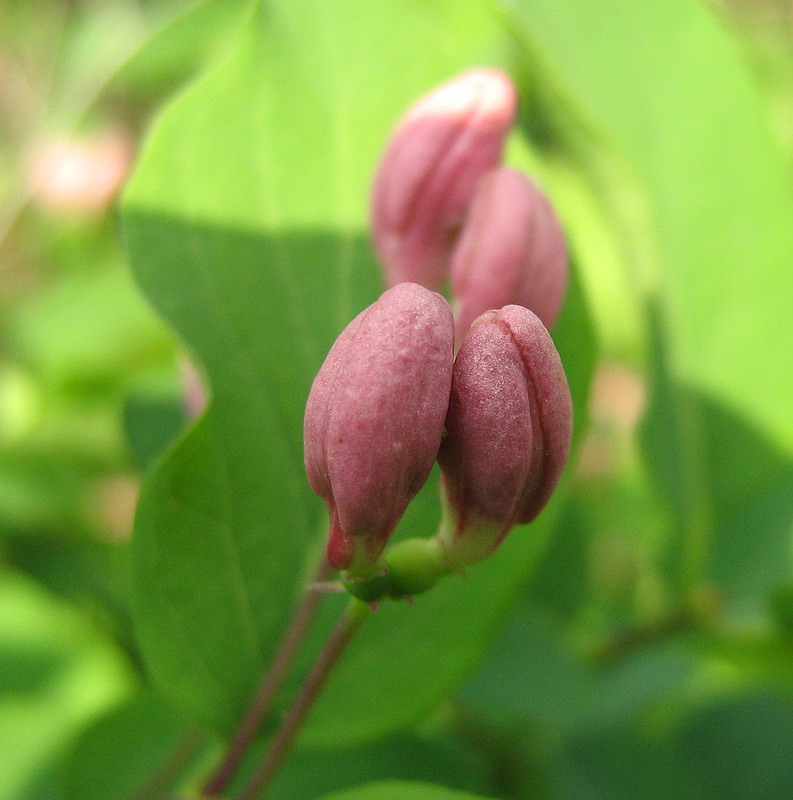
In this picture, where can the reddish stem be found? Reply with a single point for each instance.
(271, 682)
(354, 615)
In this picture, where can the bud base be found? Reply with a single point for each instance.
(413, 566)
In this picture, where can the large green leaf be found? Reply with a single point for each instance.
(659, 106)
(183, 39)
(154, 415)
(246, 223)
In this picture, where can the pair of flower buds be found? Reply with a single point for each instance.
(391, 397)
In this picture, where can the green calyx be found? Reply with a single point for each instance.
(411, 567)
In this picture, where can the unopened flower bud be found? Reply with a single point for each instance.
(508, 432)
(374, 419)
(430, 169)
(511, 250)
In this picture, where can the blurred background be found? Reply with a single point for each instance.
(637, 700)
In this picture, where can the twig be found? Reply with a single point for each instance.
(354, 615)
(271, 682)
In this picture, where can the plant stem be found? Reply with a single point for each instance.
(271, 681)
(354, 615)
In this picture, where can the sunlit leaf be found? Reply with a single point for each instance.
(658, 106)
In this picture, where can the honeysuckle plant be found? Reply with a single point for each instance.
(386, 303)
(391, 397)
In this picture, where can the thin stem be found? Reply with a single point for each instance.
(354, 615)
(271, 682)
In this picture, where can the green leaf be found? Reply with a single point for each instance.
(535, 678)
(309, 773)
(246, 223)
(179, 46)
(399, 790)
(154, 414)
(124, 751)
(56, 675)
(657, 104)
(47, 783)
(741, 747)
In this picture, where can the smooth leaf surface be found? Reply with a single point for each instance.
(179, 46)
(246, 223)
(397, 790)
(741, 747)
(663, 113)
(124, 751)
(315, 772)
(154, 415)
(534, 677)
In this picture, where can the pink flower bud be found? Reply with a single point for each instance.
(511, 250)
(374, 419)
(508, 432)
(430, 169)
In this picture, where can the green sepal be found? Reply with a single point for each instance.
(411, 567)
(415, 565)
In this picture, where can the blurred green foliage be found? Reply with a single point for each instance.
(636, 642)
